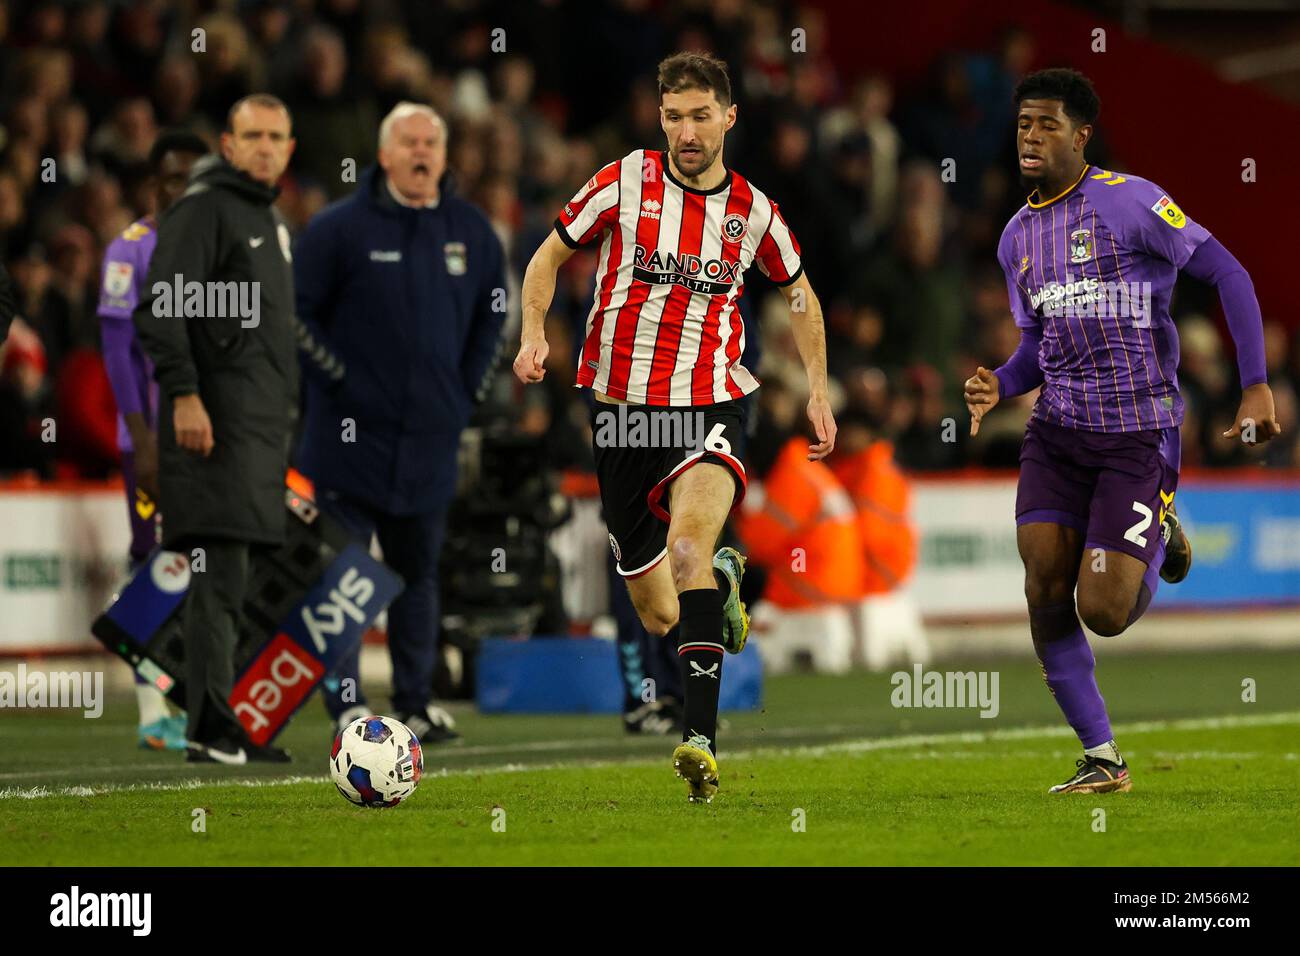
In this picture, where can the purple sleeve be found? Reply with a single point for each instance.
(1157, 226)
(1021, 373)
(117, 335)
(118, 280)
(1214, 264)
(117, 297)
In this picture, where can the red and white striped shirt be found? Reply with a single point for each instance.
(664, 328)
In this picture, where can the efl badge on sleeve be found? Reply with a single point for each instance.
(1168, 210)
(117, 279)
(455, 254)
(1081, 246)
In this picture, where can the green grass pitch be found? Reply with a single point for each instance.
(829, 773)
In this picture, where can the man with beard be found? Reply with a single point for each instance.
(662, 356)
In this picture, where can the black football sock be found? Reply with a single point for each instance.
(700, 651)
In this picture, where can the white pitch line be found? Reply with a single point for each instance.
(1129, 755)
(483, 750)
(1025, 733)
(73, 771)
(36, 793)
(847, 746)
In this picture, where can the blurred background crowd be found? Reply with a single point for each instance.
(537, 97)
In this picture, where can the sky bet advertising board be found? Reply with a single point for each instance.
(309, 603)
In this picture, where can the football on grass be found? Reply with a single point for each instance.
(376, 762)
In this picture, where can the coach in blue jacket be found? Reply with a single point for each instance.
(401, 292)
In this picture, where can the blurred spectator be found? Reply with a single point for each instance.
(332, 122)
(97, 76)
(71, 125)
(227, 67)
(918, 291)
(126, 139)
(951, 126)
(86, 416)
(176, 93)
(928, 431)
(24, 402)
(887, 621)
(864, 465)
(797, 523)
(272, 27)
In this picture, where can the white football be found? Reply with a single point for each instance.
(376, 762)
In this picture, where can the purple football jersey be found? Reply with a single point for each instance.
(1095, 268)
(126, 264)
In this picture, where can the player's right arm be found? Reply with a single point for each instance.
(592, 210)
(119, 292)
(1020, 373)
(539, 289)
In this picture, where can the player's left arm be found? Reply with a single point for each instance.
(1165, 231)
(810, 338)
(1213, 264)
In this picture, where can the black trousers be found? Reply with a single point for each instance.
(412, 546)
(212, 617)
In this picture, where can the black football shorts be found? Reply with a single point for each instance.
(639, 450)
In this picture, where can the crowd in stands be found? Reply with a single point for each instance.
(902, 260)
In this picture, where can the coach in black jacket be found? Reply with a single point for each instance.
(404, 285)
(216, 317)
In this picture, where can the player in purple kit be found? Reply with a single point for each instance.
(126, 263)
(1091, 260)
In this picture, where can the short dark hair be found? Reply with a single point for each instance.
(175, 141)
(256, 99)
(1072, 88)
(695, 71)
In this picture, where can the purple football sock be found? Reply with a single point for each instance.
(1147, 589)
(1068, 667)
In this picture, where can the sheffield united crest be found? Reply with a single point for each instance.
(734, 227)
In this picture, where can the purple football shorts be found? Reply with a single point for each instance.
(1111, 487)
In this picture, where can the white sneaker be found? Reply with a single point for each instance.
(349, 715)
(433, 726)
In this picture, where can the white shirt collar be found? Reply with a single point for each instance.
(403, 201)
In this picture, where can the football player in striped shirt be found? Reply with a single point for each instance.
(1090, 262)
(677, 230)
